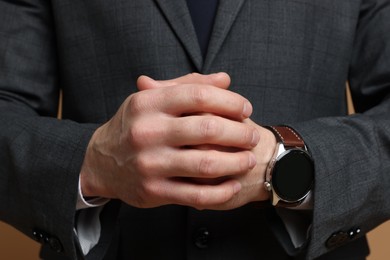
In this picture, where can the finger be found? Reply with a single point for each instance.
(204, 164)
(193, 98)
(200, 196)
(145, 82)
(198, 130)
(220, 80)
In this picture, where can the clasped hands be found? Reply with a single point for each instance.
(186, 141)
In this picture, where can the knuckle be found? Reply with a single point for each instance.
(198, 199)
(206, 166)
(139, 199)
(137, 134)
(194, 75)
(202, 199)
(136, 103)
(143, 165)
(154, 193)
(150, 189)
(209, 127)
(142, 133)
(199, 95)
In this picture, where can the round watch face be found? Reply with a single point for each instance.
(293, 175)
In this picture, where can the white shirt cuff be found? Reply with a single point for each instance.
(88, 226)
(296, 225)
(83, 204)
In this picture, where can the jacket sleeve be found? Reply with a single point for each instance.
(352, 153)
(40, 156)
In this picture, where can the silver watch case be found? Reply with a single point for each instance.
(276, 198)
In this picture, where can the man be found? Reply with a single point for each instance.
(179, 165)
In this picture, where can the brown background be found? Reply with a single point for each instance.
(14, 245)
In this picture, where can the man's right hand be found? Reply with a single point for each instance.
(143, 155)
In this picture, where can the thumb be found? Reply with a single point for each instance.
(220, 80)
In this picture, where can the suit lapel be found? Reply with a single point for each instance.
(179, 18)
(226, 14)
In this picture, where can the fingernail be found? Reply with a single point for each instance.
(255, 138)
(247, 110)
(252, 161)
(236, 188)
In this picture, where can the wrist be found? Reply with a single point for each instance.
(84, 202)
(86, 186)
(264, 153)
(88, 178)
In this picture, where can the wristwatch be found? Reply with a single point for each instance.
(290, 173)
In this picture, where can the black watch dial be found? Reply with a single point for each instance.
(293, 175)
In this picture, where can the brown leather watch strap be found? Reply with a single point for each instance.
(287, 136)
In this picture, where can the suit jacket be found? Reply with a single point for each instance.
(290, 58)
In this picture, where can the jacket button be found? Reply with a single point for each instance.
(37, 235)
(202, 238)
(337, 239)
(44, 238)
(353, 232)
(55, 244)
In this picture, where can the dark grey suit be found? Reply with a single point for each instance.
(290, 58)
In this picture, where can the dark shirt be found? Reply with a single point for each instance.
(203, 15)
